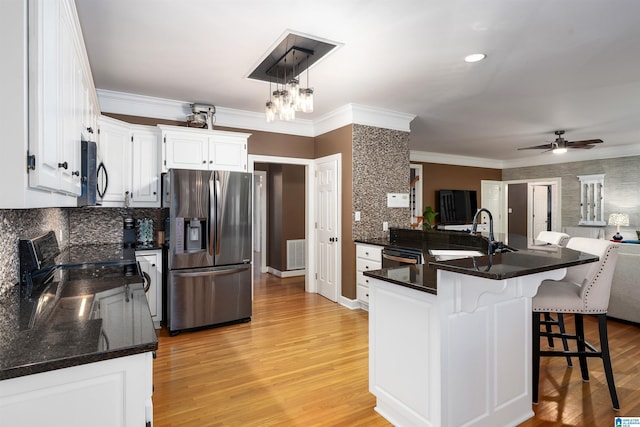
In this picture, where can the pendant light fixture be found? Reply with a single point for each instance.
(283, 66)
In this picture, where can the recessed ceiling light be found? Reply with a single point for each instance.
(475, 57)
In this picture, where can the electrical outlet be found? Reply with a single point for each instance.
(385, 226)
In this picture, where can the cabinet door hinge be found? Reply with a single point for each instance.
(164, 139)
(131, 138)
(316, 276)
(31, 161)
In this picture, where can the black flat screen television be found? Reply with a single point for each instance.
(457, 206)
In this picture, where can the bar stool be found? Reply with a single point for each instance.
(559, 239)
(584, 290)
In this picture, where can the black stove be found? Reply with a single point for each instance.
(52, 278)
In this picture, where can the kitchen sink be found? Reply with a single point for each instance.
(449, 254)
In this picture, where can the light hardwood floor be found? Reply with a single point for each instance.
(302, 361)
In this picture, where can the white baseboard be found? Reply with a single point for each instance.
(351, 304)
(284, 274)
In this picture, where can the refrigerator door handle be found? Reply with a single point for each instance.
(212, 217)
(218, 199)
(224, 272)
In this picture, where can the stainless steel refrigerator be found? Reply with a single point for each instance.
(209, 280)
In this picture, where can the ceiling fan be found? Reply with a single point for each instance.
(560, 145)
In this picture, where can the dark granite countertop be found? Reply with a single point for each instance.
(86, 314)
(496, 267)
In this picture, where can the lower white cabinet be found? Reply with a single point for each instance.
(368, 258)
(108, 393)
(151, 263)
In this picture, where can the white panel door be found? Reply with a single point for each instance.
(492, 197)
(327, 232)
(540, 210)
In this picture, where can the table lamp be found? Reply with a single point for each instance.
(618, 219)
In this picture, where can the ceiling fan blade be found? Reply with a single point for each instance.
(537, 147)
(585, 142)
(582, 147)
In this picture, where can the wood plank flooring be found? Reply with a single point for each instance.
(303, 361)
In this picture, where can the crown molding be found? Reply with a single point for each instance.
(169, 109)
(452, 159)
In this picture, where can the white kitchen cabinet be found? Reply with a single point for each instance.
(62, 97)
(189, 148)
(131, 156)
(368, 258)
(36, 114)
(151, 263)
(112, 392)
(145, 166)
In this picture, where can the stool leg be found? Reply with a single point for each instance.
(606, 359)
(565, 345)
(581, 347)
(547, 319)
(535, 362)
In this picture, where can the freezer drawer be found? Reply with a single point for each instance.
(208, 296)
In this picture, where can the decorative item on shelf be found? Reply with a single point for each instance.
(618, 219)
(429, 215)
(145, 231)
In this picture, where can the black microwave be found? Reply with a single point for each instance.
(88, 173)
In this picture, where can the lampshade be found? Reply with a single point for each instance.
(619, 219)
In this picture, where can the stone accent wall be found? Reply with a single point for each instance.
(380, 166)
(621, 187)
(22, 224)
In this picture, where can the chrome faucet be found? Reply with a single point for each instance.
(474, 230)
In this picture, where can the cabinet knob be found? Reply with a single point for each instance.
(64, 165)
(90, 129)
(153, 265)
(154, 193)
(76, 173)
(210, 161)
(204, 162)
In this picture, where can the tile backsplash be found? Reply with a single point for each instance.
(26, 223)
(73, 226)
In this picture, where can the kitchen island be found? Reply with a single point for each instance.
(450, 341)
(80, 351)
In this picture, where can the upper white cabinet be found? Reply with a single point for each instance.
(131, 157)
(189, 148)
(48, 98)
(62, 98)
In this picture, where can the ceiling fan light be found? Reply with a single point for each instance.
(559, 150)
(476, 57)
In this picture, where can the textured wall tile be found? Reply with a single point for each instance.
(621, 187)
(22, 224)
(380, 166)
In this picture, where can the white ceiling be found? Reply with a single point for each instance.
(551, 64)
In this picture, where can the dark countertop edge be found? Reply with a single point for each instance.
(38, 368)
(399, 282)
(381, 241)
(446, 265)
